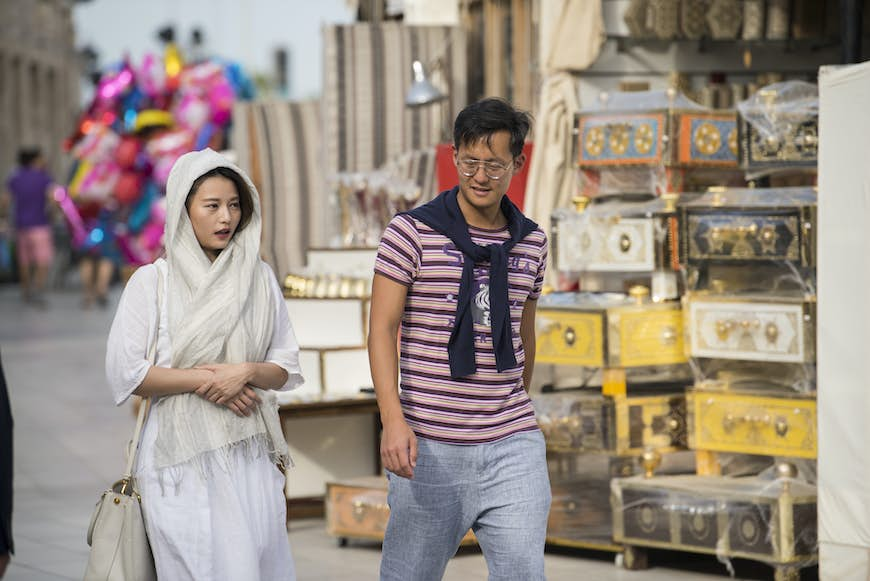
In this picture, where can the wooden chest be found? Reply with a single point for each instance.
(616, 237)
(742, 225)
(580, 510)
(751, 327)
(588, 422)
(752, 423)
(357, 508)
(666, 137)
(778, 131)
(766, 520)
(580, 513)
(608, 330)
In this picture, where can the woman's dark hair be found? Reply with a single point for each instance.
(488, 116)
(27, 155)
(246, 196)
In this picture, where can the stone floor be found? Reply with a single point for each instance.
(68, 441)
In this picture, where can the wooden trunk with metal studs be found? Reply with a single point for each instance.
(609, 330)
(748, 225)
(580, 513)
(764, 422)
(580, 421)
(773, 521)
(356, 508)
(787, 138)
(681, 138)
(751, 327)
(632, 237)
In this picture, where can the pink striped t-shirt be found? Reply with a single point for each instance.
(488, 405)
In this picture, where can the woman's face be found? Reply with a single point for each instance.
(215, 212)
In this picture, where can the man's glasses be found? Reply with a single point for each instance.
(492, 169)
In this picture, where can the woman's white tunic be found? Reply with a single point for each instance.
(232, 524)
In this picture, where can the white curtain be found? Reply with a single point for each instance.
(844, 323)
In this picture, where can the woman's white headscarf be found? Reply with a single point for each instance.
(219, 312)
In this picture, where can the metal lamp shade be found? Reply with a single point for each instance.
(422, 92)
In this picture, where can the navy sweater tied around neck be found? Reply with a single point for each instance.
(443, 215)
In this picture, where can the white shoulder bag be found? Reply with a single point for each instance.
(117, 537)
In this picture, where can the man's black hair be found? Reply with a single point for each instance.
(488, 116)
(27, 155)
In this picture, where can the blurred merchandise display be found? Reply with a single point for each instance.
(141, 119)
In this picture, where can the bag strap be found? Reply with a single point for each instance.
(145, 406)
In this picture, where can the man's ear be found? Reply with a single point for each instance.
(519, 162)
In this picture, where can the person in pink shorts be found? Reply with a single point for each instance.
(28, 187)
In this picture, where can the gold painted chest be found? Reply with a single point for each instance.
(608, 330)
(766, 423)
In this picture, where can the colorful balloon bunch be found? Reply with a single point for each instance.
(139, 122)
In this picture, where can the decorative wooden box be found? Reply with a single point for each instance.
(616, 237)
(580, 513)
(779, 128)
(682, 138)
(589, 422)
(356, 508)
(773, 521)
(751, 327)
(744, 225)
(752, 423)
(609, 330)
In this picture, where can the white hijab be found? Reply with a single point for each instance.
(219, 312)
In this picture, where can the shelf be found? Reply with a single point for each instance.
(706, 44)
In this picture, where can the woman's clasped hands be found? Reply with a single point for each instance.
(229, 386)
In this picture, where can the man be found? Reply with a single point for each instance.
(29, 189)
(461, 276)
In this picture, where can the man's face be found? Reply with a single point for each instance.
(479, 190)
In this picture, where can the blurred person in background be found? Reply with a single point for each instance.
(98, 259)
(28, 190)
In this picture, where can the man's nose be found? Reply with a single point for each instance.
(480, 173)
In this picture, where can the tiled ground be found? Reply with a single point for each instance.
(68, 439)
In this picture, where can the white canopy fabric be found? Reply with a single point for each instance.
(844, 323)
(576, 32)
(552, 176)
(576, 37)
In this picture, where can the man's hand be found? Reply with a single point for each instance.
(227, 382)
(4, 560)
(399, 448)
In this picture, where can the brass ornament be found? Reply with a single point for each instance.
(619, 139)
(768, 239)
(707, 138)
(732, 141)
(594, 144)
(771, 332)
(643, 138)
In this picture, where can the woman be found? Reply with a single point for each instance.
(211, 492)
